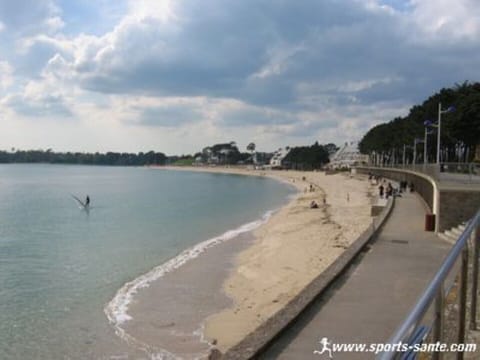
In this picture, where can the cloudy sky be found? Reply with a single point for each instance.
(177, 75)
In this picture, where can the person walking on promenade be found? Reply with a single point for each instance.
(389, 190)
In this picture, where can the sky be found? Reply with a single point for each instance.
(177, 75)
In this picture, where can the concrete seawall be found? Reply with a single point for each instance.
(457, 206)
(256, 341)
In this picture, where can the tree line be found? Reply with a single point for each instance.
(460, 128)
(308, 157)
(109, 158)
(301, 157)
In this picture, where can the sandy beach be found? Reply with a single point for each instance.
(296, 245)
(250, 281)
(291, 249)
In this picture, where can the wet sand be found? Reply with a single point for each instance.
(169, 314)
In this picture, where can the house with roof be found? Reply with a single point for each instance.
(347, 156)
(278, 158)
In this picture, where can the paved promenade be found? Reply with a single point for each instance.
(368, 303)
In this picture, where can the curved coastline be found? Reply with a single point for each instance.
(117, 310)
(324, 235)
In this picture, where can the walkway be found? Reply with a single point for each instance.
(368, 303)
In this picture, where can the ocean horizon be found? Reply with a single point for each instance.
(62, 269)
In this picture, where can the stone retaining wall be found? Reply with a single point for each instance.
(457, 206)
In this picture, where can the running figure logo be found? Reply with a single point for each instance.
(325, 348)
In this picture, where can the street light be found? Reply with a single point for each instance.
(427, 124)
(415, 142)
(439, 125)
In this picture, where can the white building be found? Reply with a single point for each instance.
(347, 156)
(279, 156)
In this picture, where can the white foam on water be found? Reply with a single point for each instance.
(117, 309)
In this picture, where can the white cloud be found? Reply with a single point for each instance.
(445, 21)
(278, 59)
(163, 10)
(6, 75)
(205, 71)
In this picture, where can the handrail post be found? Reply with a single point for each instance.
(473, 303)
(462, 301)
(439, 317)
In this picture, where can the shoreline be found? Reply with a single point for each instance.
(255, 288)
(130, 311)
(127, 308)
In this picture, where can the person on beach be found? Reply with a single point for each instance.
(313, 205)
(380, 191)
(87, 201)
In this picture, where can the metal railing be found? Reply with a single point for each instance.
(434, 295)
(446, 171)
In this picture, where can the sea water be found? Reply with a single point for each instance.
(61, 266)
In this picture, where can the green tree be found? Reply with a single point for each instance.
(460, 129)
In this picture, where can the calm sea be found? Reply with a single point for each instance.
(60, 265)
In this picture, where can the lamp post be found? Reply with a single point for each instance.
(439, 126)
(415, 142)
(425, 148)
(426, 123)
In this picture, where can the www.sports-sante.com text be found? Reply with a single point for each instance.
(403, 347)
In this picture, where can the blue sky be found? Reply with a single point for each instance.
(177, 75)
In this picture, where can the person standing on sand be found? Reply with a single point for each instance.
(87, 201)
